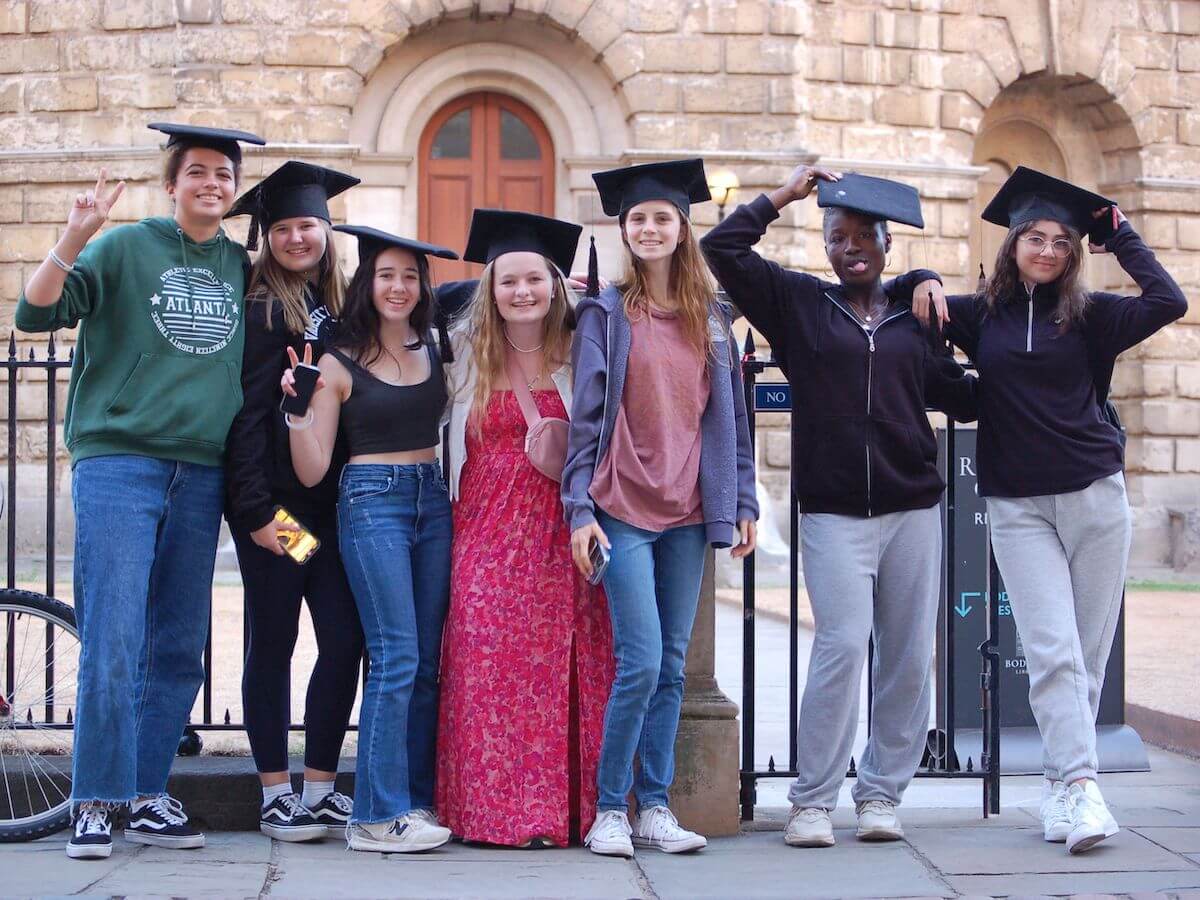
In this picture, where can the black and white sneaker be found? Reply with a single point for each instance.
(161, 821)
(93, 833)
(333, 811)
(285, 818)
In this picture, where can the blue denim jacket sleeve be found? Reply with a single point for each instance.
(589, 365)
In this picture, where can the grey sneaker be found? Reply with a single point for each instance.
(410, 833)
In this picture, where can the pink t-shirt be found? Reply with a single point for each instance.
(650, 476)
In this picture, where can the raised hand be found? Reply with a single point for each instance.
(1117, 218)
(288, 381)
(802, 181)
(90, 210)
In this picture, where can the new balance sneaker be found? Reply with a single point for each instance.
(1091, 822)
(410, 833)
(161, 821)
(92, 838)
(657, 828)
(333, 811)
(808, 826)
(609, 834)
(1056, 819)
(877, 821)
(285, 818)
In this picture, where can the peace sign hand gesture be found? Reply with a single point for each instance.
(90, 210)
(288, 381)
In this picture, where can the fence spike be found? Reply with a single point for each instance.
(32, 355)
(50, 348)
(29, 716)
(970, 765)
(771, 763)
(227, 715)
(70, 720)
(12, 345)
(853, 771)
(71, 355)
(748, 348)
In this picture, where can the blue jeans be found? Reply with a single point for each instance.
(653, 587)
(394, 534)
(145, 543)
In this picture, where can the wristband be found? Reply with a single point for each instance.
(58, 261)
(304, 423)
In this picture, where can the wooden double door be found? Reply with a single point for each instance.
(481, 150)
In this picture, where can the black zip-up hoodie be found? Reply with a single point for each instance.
(1042, 390)
(258, 459)
(861, 442)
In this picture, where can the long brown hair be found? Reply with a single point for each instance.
(691, 284)
(1005, 283)
(489, 350)
(271, 282)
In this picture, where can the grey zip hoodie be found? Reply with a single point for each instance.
(599, 355)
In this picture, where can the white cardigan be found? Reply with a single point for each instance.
(461, 380)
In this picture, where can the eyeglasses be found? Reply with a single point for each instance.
(1037, 243)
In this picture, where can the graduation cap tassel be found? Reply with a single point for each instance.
(981, 285)
(252, 234)
(593, 278)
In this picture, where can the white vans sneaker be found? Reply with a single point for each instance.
(808, 827)
(877, 821)
(1056, 819)
(609, 834)
(1091, 822)
(657, 828)
(410, 833)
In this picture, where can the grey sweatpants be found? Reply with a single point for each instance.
(1063, 558)
(867, 577)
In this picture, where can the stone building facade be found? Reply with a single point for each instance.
(948, 95)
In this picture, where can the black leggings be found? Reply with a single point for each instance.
(274, 586)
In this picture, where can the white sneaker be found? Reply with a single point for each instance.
(609, 834)
(877, 821)
(410, 833)
(427, 815)
(657, 828)
(1091, 822)
(1056, 819)
(808, 827)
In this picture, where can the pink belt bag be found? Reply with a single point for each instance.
(545, 436)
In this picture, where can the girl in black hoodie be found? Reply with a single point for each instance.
(295, 295)
(864, 470)
(1051, 458)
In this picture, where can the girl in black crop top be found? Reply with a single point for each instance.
(383, 389)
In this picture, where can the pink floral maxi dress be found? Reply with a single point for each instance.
(527, 653)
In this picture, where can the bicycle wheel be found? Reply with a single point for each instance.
(39, 666)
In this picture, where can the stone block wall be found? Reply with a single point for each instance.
(901, 88)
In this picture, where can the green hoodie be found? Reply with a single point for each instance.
(157, 368)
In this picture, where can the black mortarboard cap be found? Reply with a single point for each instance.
(223, 140)
(294, 189)
(682, 182)
(1029, 195)
(879, 198)
(498, 231)
(373, 239)
(454, 296)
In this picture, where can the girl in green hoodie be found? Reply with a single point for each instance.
(155, 383)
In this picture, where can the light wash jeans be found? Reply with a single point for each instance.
(653, 587)
(394, 532)
(145, 543)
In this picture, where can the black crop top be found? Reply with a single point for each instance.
(389, 418)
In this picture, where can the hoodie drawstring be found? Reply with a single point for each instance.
(187, 268)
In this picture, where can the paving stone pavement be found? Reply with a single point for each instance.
(950, 851)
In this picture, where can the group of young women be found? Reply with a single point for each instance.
(513, 493)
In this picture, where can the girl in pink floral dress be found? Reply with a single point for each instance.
(527, 651)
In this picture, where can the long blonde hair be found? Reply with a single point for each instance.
(691, 285)
(489, 349)
(1005, 283)
(270, 282)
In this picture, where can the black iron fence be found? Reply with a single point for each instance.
(941, 759)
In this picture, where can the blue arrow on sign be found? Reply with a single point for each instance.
(963, 608)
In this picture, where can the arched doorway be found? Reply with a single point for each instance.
(484, 149)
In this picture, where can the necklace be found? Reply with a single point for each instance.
(522, 349)
(415, 344)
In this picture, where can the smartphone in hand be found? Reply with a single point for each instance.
(300, 543)
(306, 376)
(599, 556)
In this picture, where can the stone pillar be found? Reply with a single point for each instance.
(705, 793)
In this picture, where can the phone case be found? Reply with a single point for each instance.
(299, 545)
